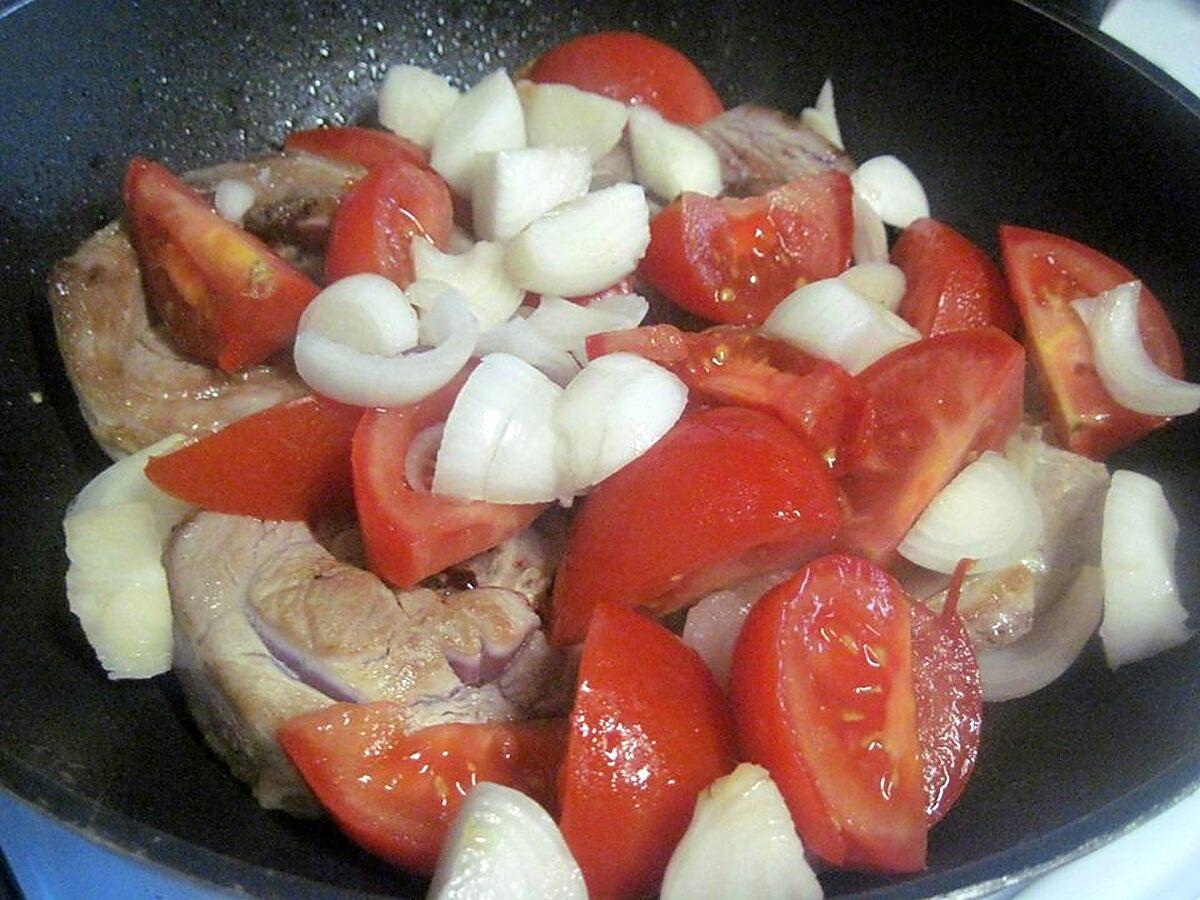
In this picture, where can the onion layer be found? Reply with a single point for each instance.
(487, 118)
(367, 312)
(1126, 369)
(831, 320)
(892, 190)
(741, 845)
(870, 237)
(514, 187)
(987, 513)
(669, 159)
(413, 101)
(878, 281)
(821, 117)
(478, 276)
(714, 623)
(1142, 612)
(559, 115)
(233, 199)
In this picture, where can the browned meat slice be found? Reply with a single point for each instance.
(761, 148)
(268, 624)
(133, 386)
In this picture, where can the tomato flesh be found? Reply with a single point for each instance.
(634, 69)
(950, 284)
(409, 535)
(379, 217)
(732, 260)
(223, 295)
(366, 147)
(938, 402)
(821, 686)
(289, 462)
(396, 794)
(1046, 272)
(746, 495)
(648, 732)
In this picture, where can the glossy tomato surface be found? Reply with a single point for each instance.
(366, 147)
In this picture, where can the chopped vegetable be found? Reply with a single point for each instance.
(892, 190)
(413, 101)
(366, 147)
(558, 115)
(477, 275)
(487, 118)
(669, 159)
(514, 187)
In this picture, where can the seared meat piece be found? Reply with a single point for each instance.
(761, 148)
(268, 624)
(133, 386)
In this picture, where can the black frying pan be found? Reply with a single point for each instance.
(1007, 116)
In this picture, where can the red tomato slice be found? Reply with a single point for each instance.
(1046, 272)
(396, 794)
(937, 403)
(949, 705)
(951, 285)
(378, 218)
(366, 147)
(822, 691)
(409, 535)
(746, 495)
(224, 296)
(289, 462)
(732, 260)
(734, 365)
(634, 69)
(649, 731)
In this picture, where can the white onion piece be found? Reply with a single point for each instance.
(424, 294)
(870, 237)
(568, 324)
(514, 187)
(821, 117)
(740, 845)
(1058, 637)
(486, 118)
(892, 190)
(477, 275)
(582, 246)
(459, 241)
(125, 481)
(878, 281)
(1126, 369)
(421, 457)
(500, 443)
(233, 199)
(631, 307)
(669, 159)
(714, 623)
(615, 410)
(987, 513)
(367, 312)
(413, 101)
(369, 379)
(831, 320)
(1142, 612)
(504, 845)
(558, 115)
(523, 340)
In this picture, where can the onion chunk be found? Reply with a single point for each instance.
(514, 187)
(487, 118)
(821, 117)
(477, 275)
(892, 190)
(559, 115)
(669, 159)
(413, 101)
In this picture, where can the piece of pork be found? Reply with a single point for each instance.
(761, 148)
(268, 625)
(134, 387)
(999, 607)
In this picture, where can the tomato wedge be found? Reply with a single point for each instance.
(634, 69)
(822, 691)
(732, 260)
(950, 284)
(409, 535)
(937, 403)
(396, 794)
(649, 731)
(289, 462)
(366, 147)
(726, 494)
(736, 366)
(375, 223)
(1046, 272)
(224, 296)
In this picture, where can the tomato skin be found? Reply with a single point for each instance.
(377, 219)
(224, 296)
(410, 535)
(649, 731)
(950, 284)
(746, 496)
(289, 462)
(396, 794)
(366, 147)
(1046, 272)
(634, 69)
(806, 649)
(732, 260)
(938, 403)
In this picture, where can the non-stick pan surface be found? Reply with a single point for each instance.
(1006, 115)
